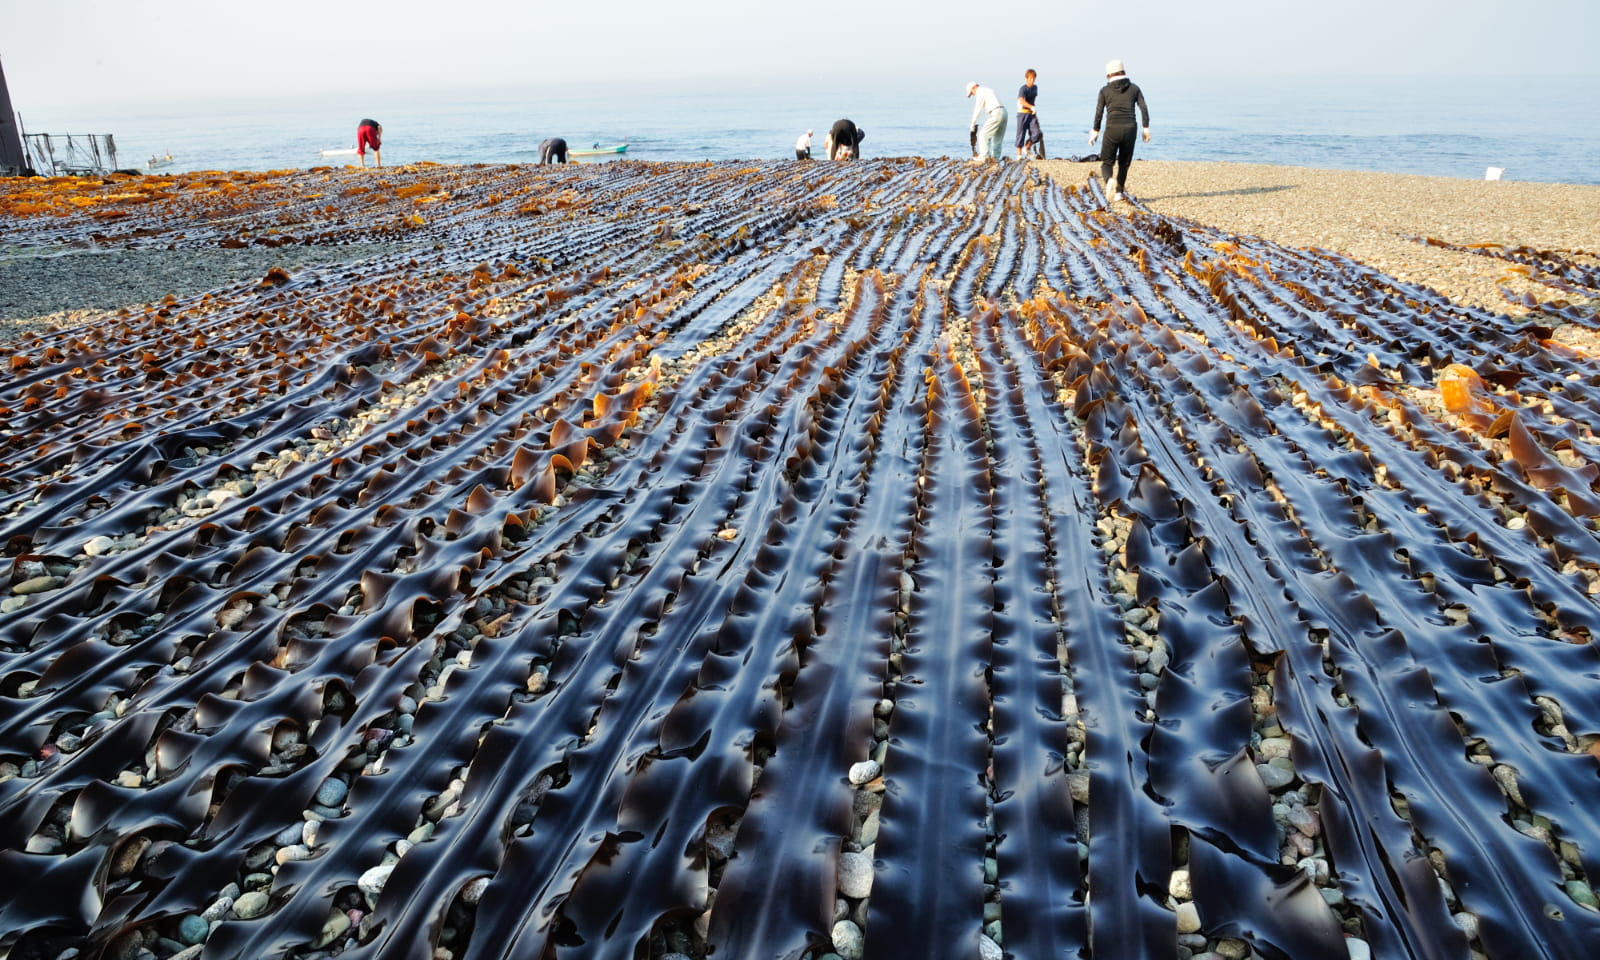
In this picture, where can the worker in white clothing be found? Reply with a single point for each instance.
(988, 132)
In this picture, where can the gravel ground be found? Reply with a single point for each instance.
(68, 286)
(1370, 216)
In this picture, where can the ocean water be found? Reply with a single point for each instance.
(1541, 129)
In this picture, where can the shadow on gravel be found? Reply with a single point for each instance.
(1241, 192)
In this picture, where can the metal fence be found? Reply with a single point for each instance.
(70, 154)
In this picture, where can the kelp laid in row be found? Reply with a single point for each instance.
(897, 558)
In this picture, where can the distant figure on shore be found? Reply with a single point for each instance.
(369, 134)
(553, 150)
(1029, 137)
(988, 124)
(843, 141)
(1117, 101)
(802, 147)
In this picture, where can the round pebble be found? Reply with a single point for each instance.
(332, 792)
(847, 940)
(988, 949)
(855, 875)
(250, 905)
(371, 882)
(865, 772)
(192, 930)
(1188, 917)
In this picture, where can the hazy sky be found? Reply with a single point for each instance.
(97, 52)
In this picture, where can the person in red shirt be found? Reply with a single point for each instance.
(370, 134)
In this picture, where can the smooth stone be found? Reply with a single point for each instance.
(371, 882)
(869, 828)
(326, 812)
(1275, 778)
(1468, 924)
(219, 908)
(1178, 885)
(855, 876)
(99, 546)
(988, 949)
(332, 929)
(332, 792)
(1272, 747)
(1305, 820)
(473, 891)
(847, 940)
(1359, 949)
(250, 905)
(294, 851)
(12, 604)
(865, 771)
(289, 835)
(36, 585)
(1233, 949)
(1583, 893)
(192, 930)
(1188, 917)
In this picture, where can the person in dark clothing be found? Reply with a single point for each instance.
(1117, 101)
(844, 141)
(1029, 136)
(369, 133)
(553, 150)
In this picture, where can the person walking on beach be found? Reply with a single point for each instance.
(843, 141)
(553, 150)
(802, 147)
(1117, 101)
(989, 138)
(369, 133)
(1029, 136)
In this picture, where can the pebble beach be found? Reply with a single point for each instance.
(837, 561)
(1375, 217)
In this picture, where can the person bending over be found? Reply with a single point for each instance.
(553, 150)
(369, 133)
(802, 147)
(1118, 98)
(989, 138)
(843, 141)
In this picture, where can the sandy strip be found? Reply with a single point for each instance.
(1369, 216)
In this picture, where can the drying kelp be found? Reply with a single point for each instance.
(891, 559)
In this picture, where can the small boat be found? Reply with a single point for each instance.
(599, 151)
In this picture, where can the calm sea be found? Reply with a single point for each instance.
(1544, 129)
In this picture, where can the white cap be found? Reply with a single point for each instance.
(1114, 67)
(971, 86)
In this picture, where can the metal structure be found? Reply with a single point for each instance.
(12, 159)
(71, 154)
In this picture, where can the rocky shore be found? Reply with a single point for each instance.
(41, 287)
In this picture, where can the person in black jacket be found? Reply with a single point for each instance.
(1117, 101)
(553, 150)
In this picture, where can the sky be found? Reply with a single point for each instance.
(104, 52)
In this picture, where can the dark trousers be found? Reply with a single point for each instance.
(802, 154)
(1028, 132)
(1117, 146)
